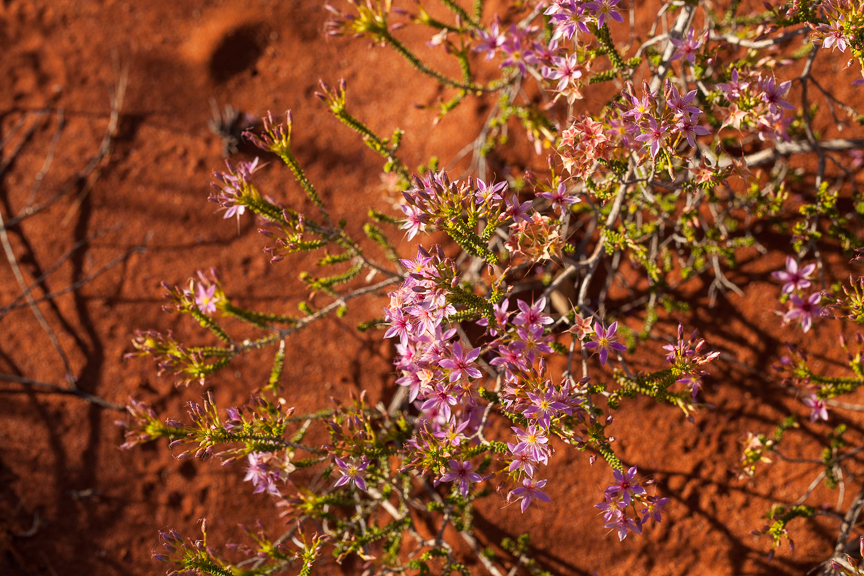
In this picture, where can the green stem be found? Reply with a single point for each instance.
(278, 365)
(304, 182)
(225, 436)
(419, 65)
(212, 351)
(461, 12)
(209, 323)
(259, 319)
(605, 38)
(832, 387)
(210, 567)
(373, 141)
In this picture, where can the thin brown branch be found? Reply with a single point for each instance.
(54, 389)
(19, 277)
(95, 160)
(141, 248)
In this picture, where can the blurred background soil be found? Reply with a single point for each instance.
(72, 503)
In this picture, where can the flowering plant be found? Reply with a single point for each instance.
(529, 270)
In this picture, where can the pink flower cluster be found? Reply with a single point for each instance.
(759, 102)
(440, 370)
(433, 197)
(624, 494)
(643, 123)
(795, 280)
(526, 51)
(842, 29)
(233, 186)
(687, 358)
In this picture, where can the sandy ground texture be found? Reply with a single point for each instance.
(136, 213)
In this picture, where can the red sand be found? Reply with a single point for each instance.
(97, 509)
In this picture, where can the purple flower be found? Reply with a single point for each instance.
(605, 339)
(234, 208)
(411, 380)
(234, 185)
(654, 508)
(351, 473)
(501, 317)
(804, 310)
(427, 316)
(415, 220)
(205, 298)
(544, 53)
(679, 103)
(688, 126)
(511, 357)
(452, 436)
(535, 342)
(687, 355)
(517, 211)
(567, 19)
(818, 408)
(418, 265)
(640, 107)
(603, 9)
(734, 87)
(625, 486)
(462, 475)
(440, 400)
(490, 41)
(773, 96)
(461, 364)
(544, 407)
(565, 69)
(693, 382)
(534, 441)
(521, 461)
(532, 316)
(519, 53)
(794, 278)
(686, 48)
(233, 422)
(655, 136)
(529, 491)
(559, 197)
(489, 192)
(834, 35)
(772, 127)
(624, 524)
(262, 474)
(400, 325)
(611, 508)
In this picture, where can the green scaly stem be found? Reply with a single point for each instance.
(419, 65)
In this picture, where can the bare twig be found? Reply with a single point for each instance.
(53, 388)
(792, 148)
(49, 158)
(95, 160)
(141, 248)
(759, 44)
(105, 147)
(682, 23)
(19, 277)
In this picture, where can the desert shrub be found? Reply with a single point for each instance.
(508, 333)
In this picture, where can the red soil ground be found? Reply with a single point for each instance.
(71, 503)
